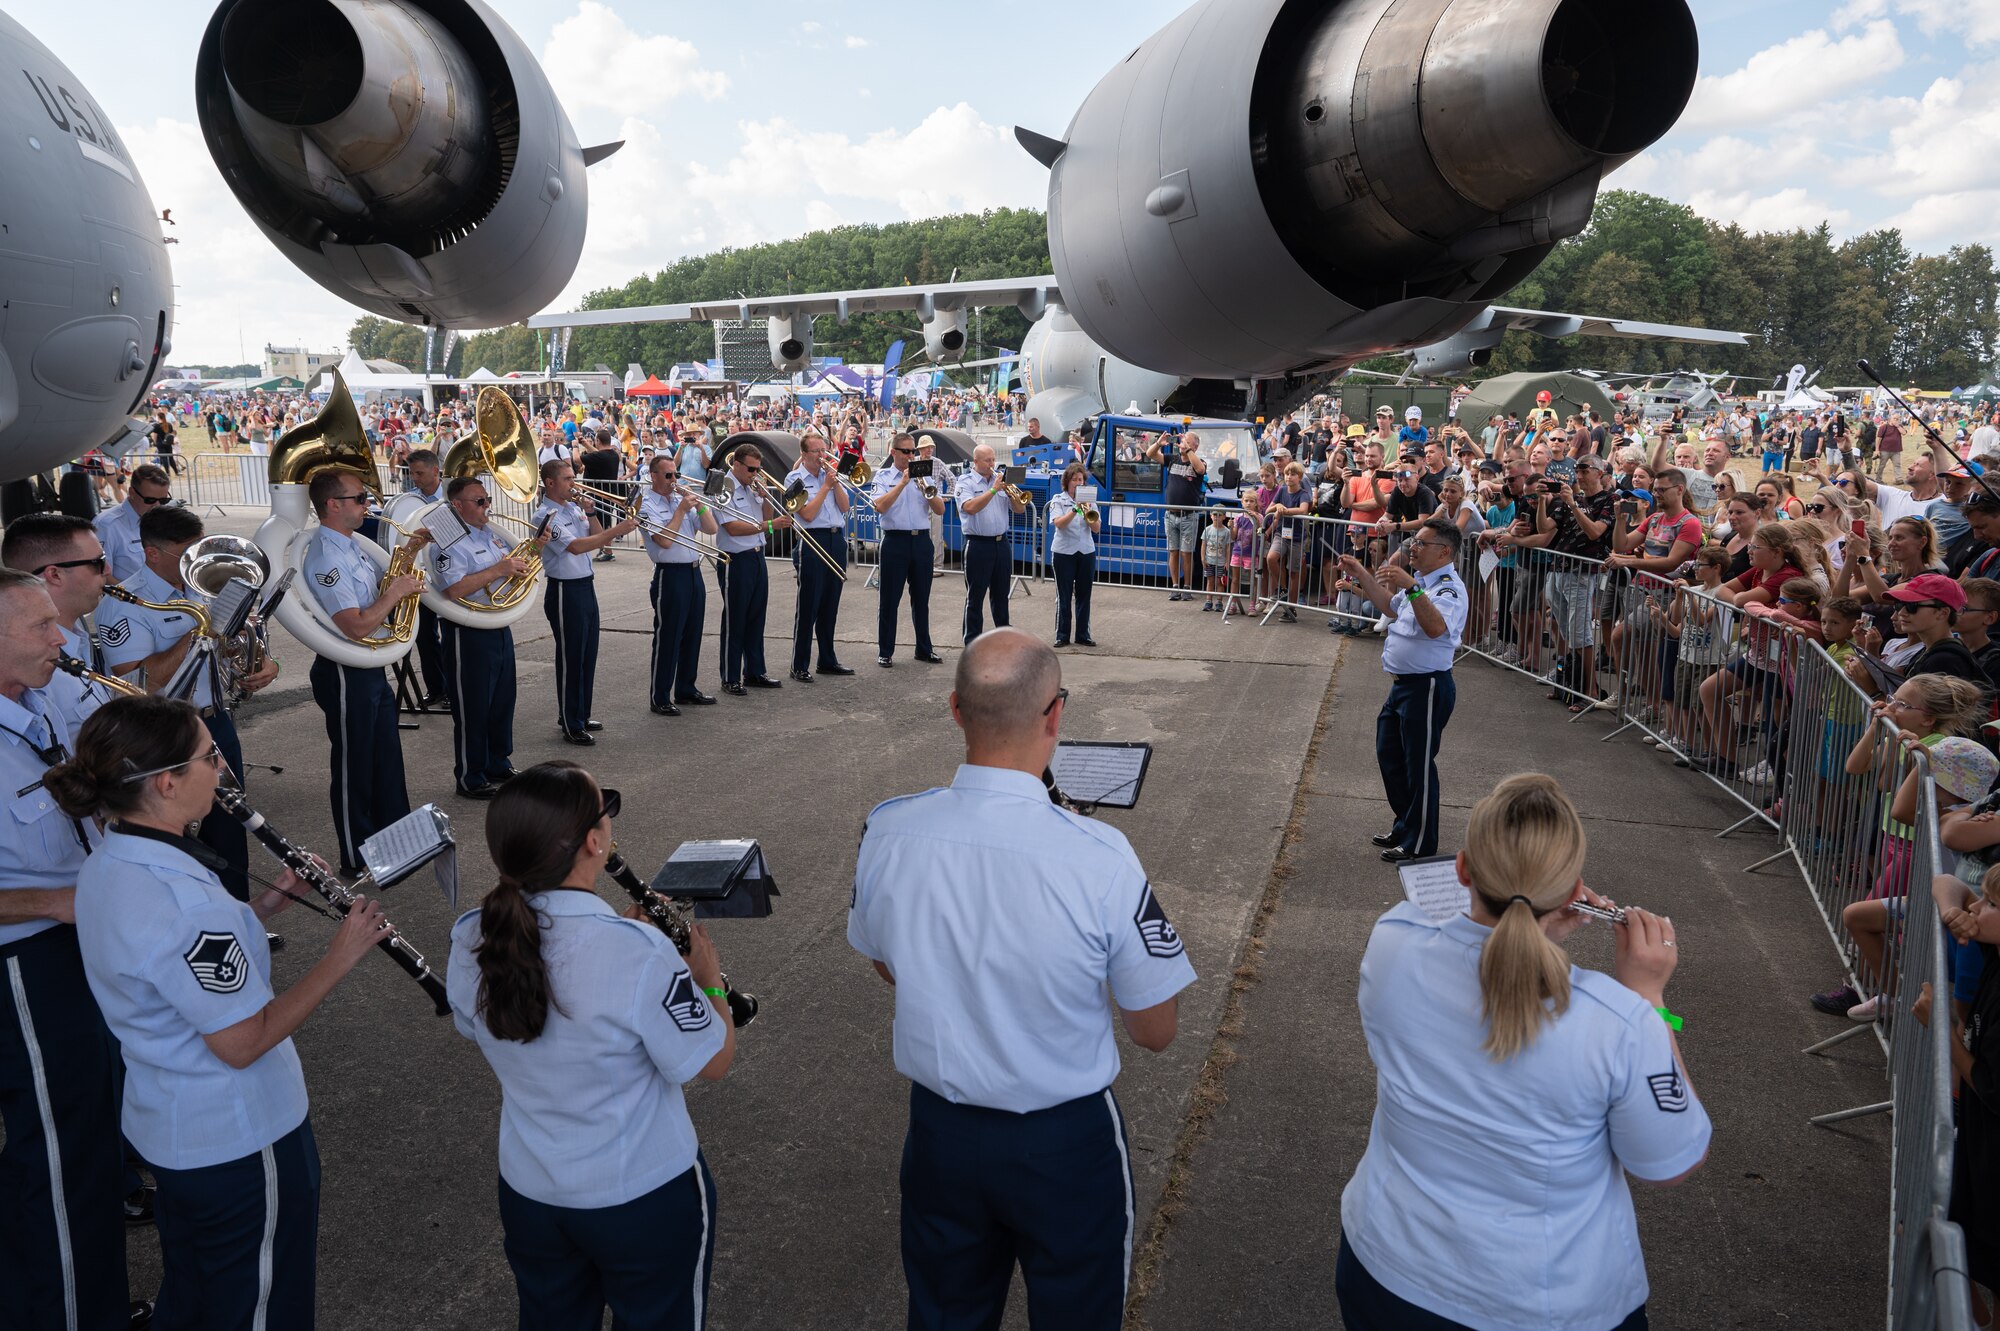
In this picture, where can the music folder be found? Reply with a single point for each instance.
(408, 844)
(726, 880)
(1101, 772)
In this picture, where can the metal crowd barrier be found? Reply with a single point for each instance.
(1765, 713)
(1542, 614)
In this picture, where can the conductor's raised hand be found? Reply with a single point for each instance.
(1396, 578)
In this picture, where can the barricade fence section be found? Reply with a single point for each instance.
(1543, 614)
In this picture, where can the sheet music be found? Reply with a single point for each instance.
(1100, 773)
(1086, 495)
(1121, 515)
(228, 609)
(1488, 561)
(695, 852)
(446, 869)
(1433, 885)
(445, 526)
(404, 845)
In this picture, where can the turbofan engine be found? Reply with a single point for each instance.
(1267, 187)
(407, 155)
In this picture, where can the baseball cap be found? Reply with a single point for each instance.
(1491, 468)
(1967, 472)
(1357, 432)
(1931, 587)
(1963, 767)
(1544, 396)
(1414, 414)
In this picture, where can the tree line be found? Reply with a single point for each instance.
(1928, 319)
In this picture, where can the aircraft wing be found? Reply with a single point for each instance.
(1032, 295)
(1549, 324)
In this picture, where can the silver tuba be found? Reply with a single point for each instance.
(209, 566)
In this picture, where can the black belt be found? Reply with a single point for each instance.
(585, 578)
(907, 531)
(1001, 537)
(1425, 674)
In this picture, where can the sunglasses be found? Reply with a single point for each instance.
(342, 499)
(1925, 605)
(612, 803)
(1815, 508)
(151, 499)
(94, 565)
(1843, 482)
(1062, 695)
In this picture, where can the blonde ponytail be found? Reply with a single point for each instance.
(1524, 851)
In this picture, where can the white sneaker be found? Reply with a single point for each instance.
(1759, 775)
(1866, 1012)
(1510, 655)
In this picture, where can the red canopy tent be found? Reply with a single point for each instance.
(653, 388)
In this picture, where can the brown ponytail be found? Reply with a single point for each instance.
(126, 735)
(535, 827)
(1524, 851)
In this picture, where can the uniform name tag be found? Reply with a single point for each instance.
(218, 963)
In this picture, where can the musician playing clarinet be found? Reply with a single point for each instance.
(605, 1198)
(214, 1099)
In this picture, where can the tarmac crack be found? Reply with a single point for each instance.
(1209, 1095)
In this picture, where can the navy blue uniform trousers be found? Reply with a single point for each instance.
(819, 597)
(989, 577)
(1366, 1304)
(480, 665)
(680, 605)
(906, 560)
(986, 1188)
(648, 1259)
(746, 590)
(571, 607)
(62, 1229)
(366, 777)
(1075, 576)
(1408, 730)
(220, 832)
(239, 1241)
(431, 665)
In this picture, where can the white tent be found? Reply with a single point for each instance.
(482, 375)
(1806, 399)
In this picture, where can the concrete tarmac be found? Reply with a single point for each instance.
(1784, 1226)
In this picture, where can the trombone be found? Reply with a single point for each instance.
(667, 531)
(790, 503)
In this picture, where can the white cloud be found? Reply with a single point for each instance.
(1787, 209)
(1978, 21)
(1792, 76)
(856, 43)
(1943, 220)
(810, 25)
(1949, 139)
(594, 60)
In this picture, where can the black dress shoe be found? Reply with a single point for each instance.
(141, 1315)
(696, 699)
(139, 1207)
(764, 682)
(1092, 642)
(734, 690)
(885, 663)
(505, 774)
(803, 676)
(349, 871)
(578, 737)
(930, 657)
(276, 942)
(1385, 840)
(1397, 855)
(485, 791)
(665, 709)
(1062, 642)
(836, 669)
(593, 726)
(434, 702)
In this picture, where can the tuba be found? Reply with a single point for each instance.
(500, 447)
(332, 439)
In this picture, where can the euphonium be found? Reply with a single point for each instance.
(510, 593)
(209, 566)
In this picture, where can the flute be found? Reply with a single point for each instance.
(668, 916)
(339, 896)
(1613, 915)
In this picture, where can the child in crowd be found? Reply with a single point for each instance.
(1697, 627)
(1846, 711)
(1353, 613)
(1243, 554)
(1216, 540)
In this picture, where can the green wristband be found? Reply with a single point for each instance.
(724, 993)
(767, 527)
(1414, 594)
(1673, 1022)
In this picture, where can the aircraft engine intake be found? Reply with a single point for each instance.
(944, 337)
(791, 342)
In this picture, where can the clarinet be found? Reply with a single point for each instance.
(667, 915)
(337, 894)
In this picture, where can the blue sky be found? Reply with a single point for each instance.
(763, 121)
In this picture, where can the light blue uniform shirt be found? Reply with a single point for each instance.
(42, 848)
(1074, 538)
(172, 957)
(477, 550)
(995, 516)
(567, 523)
(340, 575)
(72, 698)
(659, 510)
(911, 511)
(1492, 1193)
(131, 633)
(1408, 649)
(744, 499)
(591, 1112)
(434, 497)
(830, 517)
(118, 531)
(1003, 918)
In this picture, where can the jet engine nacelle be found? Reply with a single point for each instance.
(791, 342)
(1455, 355)
(1266, 187)
(407, 155)
(944, 337)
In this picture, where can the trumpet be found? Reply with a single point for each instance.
(787, 503)
(672, 919)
